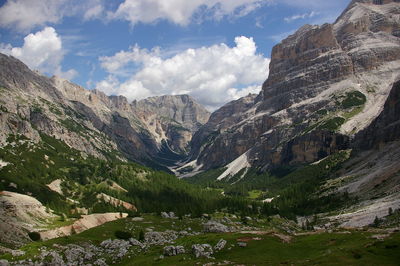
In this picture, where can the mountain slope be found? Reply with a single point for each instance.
(325, 84)
(90, 121)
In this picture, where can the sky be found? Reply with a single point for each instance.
(214, 50)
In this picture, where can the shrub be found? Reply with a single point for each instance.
(354, 98)
(123, 235)
(141, 235)
(333, 124)
(34, 236)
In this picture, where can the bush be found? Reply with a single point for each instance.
(141, 235)
(34, 236)
(123, 235)
(333, 124)
(353, 99)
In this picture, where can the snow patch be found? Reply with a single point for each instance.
(192, 164)
(236, 166)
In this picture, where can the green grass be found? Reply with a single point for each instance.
(355, 111)
(255, 194)
(353, 99)
(338, 248)
(332, 124)
(356, 248)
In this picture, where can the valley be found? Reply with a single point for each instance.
(305, 172)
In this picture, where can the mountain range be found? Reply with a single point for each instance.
(322, 135)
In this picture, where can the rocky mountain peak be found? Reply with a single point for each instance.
(180, 108)
(325, 84)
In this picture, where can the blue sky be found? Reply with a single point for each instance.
(214, 50)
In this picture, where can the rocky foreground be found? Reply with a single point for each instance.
(170, 240)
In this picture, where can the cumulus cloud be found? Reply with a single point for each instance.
(182, 12)
(42, 51)
(24, 15)
(213, 75)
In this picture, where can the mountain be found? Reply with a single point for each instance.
(172, 118)
(326, 84)
(155, 129)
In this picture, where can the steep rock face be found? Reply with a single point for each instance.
(386, 127)
(302, 65)
(91, 121)
(218, 143)
(325, 84)
(172, 118)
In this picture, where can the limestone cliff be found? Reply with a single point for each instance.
(326, 83)
(92, 122)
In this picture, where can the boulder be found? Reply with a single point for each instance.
(164, 215)
(215, 227)
(135, 242)
(173, 250)
(242, 244)
(202, 250)
(220, 245)
(4, 263)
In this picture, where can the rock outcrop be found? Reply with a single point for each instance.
(157, 129)
(84, 223)
(326, 83)
(386, 127)
(173, 119)
(19, 214)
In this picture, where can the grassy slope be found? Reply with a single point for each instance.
(338, 248)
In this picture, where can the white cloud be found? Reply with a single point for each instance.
(182, 12)
(41, 50)
(315, 4)
(301, 16)
(24, 15)
(213, 75)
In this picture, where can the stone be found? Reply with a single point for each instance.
(242, 244)
(100, 262)
(173, 250)
(4, 263)
(215, 227)
(135, 242)
(164, 215)
(202, 250)
(17, 253)
(220, 245)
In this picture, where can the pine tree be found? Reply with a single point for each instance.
(141, 235)
(376, 222)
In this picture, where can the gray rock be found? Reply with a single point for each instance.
(164, 215)
(137, 219)
(100, 262)
(17, 253)
(202, 250)
(242, 244)
(220, 245)
(117, 247)
(135, 242)
(4, 263)
(173, 250)
(215, 227)
(158, 238)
